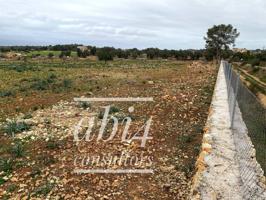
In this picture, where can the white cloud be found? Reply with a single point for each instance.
(127, 23)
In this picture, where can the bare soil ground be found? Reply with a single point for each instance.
(38, 163)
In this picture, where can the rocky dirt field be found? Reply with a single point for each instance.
(36, 141)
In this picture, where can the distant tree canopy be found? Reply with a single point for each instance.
(66, 47)
(106, 53)
(83, 54)
(253, 57)
(59, 47)
(66, 53)
(120, 53)
(219, 38)
(50, 55)
(93, 51)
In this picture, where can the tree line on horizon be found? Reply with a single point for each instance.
(108, 53)
(151, 53)
(219, 39)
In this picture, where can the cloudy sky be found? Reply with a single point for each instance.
(172, 24)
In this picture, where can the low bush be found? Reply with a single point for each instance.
(40, 85)
(52, 83)
(35, 171)
(22, 68)
(14, 127)
(52, 144)
(84, 105)
(255, 69)
(185, 140)
(101, 115)
(50, 55)
(67, 83)
(44, 189)
(27, 116)
(51, 78)
(6, 93)
(113, 109)
(17, 150)
(11, 188)
(6, 165)
(46, 159)
(254, 62)
(2, 181)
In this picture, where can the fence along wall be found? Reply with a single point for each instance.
(248, 122)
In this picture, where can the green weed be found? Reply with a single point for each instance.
(14, 127)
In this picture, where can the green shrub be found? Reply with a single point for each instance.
(6, 165)
(44, 189)
(100, 115)
(14, 127)
(22, 88)
(254, 62)
(18, 68)
(6, 93)
(34, 108)
(40, 85)
(185, 139)
(46, 159)
(67, 83)
(35, 171)
(50, 55)
(197, 149)
(189, 168)
(113, 109)
(85, 105)
(255, 69)
(105, 54)
(65, 54)
(2, 181)
(18, 150)
(27, 116)
(20, 163)
(52, 144)
(22, 68)
(51, 78)
(11, 188)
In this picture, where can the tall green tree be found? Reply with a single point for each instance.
(105, 54)
(220, 38)
(93, 51)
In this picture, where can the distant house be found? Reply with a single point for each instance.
(83, 51)
(83, 48)
(240, 50)
(11, 55)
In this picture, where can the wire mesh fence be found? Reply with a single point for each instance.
(251, 152)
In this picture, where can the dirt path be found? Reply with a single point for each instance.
(253, 77)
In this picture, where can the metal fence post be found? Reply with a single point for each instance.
(234, 101)
(229, 77)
